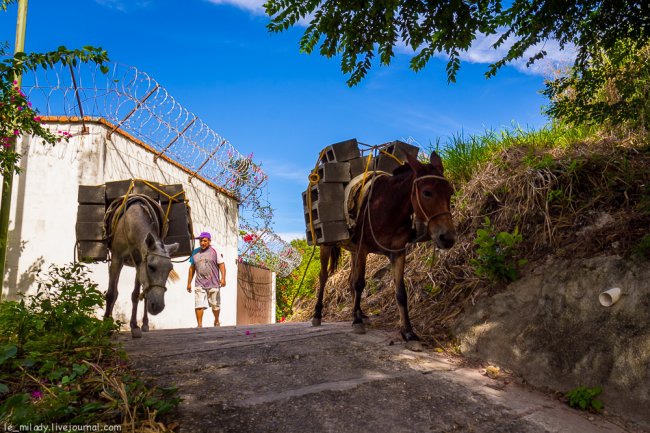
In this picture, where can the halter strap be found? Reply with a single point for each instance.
(414, 187)
(417, 197)
(145, 290)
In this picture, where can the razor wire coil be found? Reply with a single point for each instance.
(133, 101)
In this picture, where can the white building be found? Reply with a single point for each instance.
(44, 208)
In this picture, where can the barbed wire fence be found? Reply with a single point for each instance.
(134, 102)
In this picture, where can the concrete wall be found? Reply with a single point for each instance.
(43, 216)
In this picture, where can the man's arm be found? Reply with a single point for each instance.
(222, 274)
(189, 279)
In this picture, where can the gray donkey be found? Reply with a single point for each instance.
(134, 229)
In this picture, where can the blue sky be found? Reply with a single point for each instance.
(217, 59)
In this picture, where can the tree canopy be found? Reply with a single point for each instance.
(359, 30)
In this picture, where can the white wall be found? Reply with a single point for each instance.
(44, 208)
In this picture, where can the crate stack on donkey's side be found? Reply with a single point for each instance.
(340, 163)
(94, 200)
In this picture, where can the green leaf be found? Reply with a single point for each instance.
(7, 352)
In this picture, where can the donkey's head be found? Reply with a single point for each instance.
(431, 198)
(153, 271)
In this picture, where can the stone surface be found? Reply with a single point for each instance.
(296, 378)
(328, 233)
(550, 328)
(323, 211)
(334, 172)
(341, 152)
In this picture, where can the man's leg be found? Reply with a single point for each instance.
(199, 316)
(214, 298)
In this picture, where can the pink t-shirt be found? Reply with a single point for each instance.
(206, 267)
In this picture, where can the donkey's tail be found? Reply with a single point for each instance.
(335, 258)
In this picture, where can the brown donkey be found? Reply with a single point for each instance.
(384, 226)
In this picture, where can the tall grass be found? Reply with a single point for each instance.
(463, 155)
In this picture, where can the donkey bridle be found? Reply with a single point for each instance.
(145, 290)
(417, 197)
(415, 181)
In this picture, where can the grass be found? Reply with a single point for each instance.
(59, 365)
(464, 155)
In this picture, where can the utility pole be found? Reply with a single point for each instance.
(7, 184)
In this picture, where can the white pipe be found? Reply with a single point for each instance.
(609, 297)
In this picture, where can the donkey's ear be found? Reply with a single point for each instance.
(150, 242)
(413, 162)
(171, 248)
(436, 161)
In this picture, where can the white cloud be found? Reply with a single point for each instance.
(255, 6)
(121, 5)
(287, 171)
(481, 50)
(289, 236)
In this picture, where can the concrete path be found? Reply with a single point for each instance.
(296, 378)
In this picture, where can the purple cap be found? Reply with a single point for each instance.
(204, 235)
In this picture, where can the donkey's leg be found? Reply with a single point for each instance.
(358, 280)
(145, 317)
(135, 298)
(113, 277)
(353, 259)
(325, 253)
(412, 340)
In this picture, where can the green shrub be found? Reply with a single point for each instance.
(496, 253)
(585, 398)
(58, 364)
(613, 91)
(289, 288)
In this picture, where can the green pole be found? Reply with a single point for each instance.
(7, 184)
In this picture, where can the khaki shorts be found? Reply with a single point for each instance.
(204, 298)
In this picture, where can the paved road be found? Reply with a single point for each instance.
(296, 378)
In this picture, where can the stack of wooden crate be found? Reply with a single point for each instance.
(93, 200)
(339, 163)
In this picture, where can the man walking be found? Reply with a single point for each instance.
(210, 271)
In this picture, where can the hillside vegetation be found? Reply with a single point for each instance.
(560, 192)
(578, 188)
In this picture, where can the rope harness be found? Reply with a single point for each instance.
(417, 196)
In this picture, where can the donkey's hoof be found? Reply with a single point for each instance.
(136, 333)
(145, 328)
(358, 328)
(315, 322)
(414, 345)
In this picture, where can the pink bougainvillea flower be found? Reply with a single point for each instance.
(16, 132)
(248, 332)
